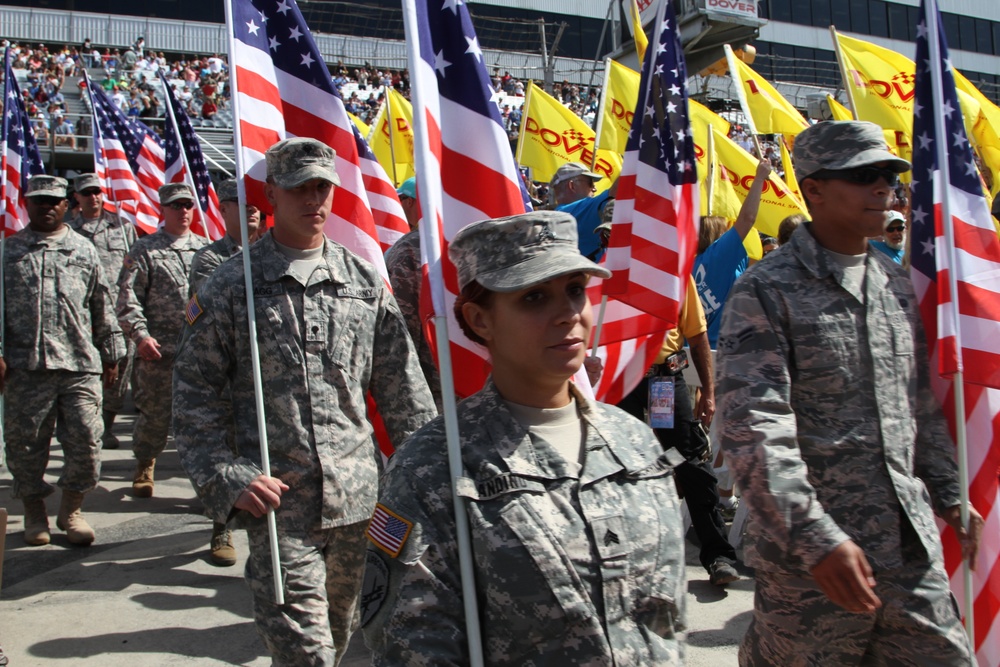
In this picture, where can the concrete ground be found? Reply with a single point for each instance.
(146, 594)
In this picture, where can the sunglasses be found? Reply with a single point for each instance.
(859, 175)
(894, 229)
(178, 205)
(42, 200)
(90, 192)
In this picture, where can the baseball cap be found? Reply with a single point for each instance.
(842, 144)
(893, 216)
(571, 170)
(408, 188)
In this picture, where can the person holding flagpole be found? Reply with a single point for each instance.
(330, 334)
(829, 423)
(575, 520)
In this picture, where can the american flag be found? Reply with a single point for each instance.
(390, 219)
(466, 170)
(128, 158)
(178, 136)
(965, 253)
(655, 224)
(387, 530)
(19, 156)
(284, 90)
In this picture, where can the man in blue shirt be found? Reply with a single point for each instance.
(573, 187)
(894, 244)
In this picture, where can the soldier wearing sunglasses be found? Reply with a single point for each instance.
(830, 426)
(153, 290)
(112, 237)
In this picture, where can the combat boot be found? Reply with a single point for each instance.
(142, 481)
(108, 440)
(223, 552)
(36, 522)
(71, 520)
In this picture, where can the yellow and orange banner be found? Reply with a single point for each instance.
(768, 111)
(391, 137)
(621, 90)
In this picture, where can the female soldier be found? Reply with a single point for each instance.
(574, 516)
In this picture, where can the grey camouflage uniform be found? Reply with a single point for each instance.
(60, 331)
(153, 288)
(112, 237)
(208, 259)
(323, 347)
(402, 261)
(570, 569)
(828, 420)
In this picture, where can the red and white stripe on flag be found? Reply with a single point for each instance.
(284, 90)
(955, 269)
(19, 155)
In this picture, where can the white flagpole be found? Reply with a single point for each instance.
(710, 156)
(430, 249)
(943, 185)
(258, 389)
(180, 148)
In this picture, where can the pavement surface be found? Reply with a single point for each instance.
(146, 594)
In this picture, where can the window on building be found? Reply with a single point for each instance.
(899, 21)
(821, 13)
(951, 30)
(781, 10)
(967, 30)
(802, 13)
(805, 65)
(996, 38)
(984, 36)
(764, 9)
(878, 24)
(859, 17)
(840, 15)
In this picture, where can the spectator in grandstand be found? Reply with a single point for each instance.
(893, 241)
(126, 67)
(722, 258)
(573, 187)
(209, 109)
(63, 132)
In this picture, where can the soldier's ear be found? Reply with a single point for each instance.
(479, 319)
(269, 192)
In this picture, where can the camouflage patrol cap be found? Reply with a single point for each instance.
(227, 190)
(46, 186)
(509, 254)
(842, 144)
(292, 162)
(171, 192)
(84, 181)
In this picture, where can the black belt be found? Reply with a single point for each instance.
(672, 365)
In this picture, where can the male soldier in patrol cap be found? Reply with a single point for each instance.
(830, 425)
(112, 237)
(329, 334)
(59, 339)
(153, 289)
(205, 261)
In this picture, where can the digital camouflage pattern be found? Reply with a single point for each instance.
(572, 566)
(402, 262)
(208, 259)
(828, 421)
(60, 331)
(842, 144)
(152, 296)
(323, 346)
(171, 192)
(292, 162)
(508, 254)
(227, 190)
(42, 185)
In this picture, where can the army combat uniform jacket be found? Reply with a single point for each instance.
(323, 347)
(111, 236)
(208, 259)
(58, 308)
(572, 566)
(827, 413)
(153, 288)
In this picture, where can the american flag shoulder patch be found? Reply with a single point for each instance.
(388, 531)
(193, 310)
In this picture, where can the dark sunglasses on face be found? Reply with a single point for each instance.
(895, 229)
(90, 192)
(47, 201)
(859, 175)
(178, 205)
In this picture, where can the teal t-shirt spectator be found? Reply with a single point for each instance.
(715, 273)
(587, 212)
(895, 254)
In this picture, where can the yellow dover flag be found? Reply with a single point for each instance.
(362, 126)
(552, 135)
(621, 92)
(985, 130)
(391, 137)
(771, 113)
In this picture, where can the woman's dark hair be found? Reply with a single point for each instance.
(479, 295)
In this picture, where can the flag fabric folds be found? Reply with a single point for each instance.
(19, 155)
(964, 254)
(655, 224)
(768, 111)
(285, 91)
(129, 159)
(621, 90)
(391, 137)
(183, 153)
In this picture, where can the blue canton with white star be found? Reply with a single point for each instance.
(17, 132)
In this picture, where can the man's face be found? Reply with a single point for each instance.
(90, 200)
(895, 234)
(847, 210)
(45, 214)
(411, 210)
(177, 216)
(581, 187)
(300, 212)
(231, 215)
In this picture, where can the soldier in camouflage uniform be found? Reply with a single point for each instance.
(153, 289)
(112, 237)
(402, 261)
(60, 337)
(209, 258)
(576, 529)
(329, 334)
(830, 425)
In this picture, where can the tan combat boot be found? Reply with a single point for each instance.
(36, 522)
(142, 481)
(71, 520)
(223, 551)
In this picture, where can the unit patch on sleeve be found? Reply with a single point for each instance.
(193, 310)
(388, 531)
